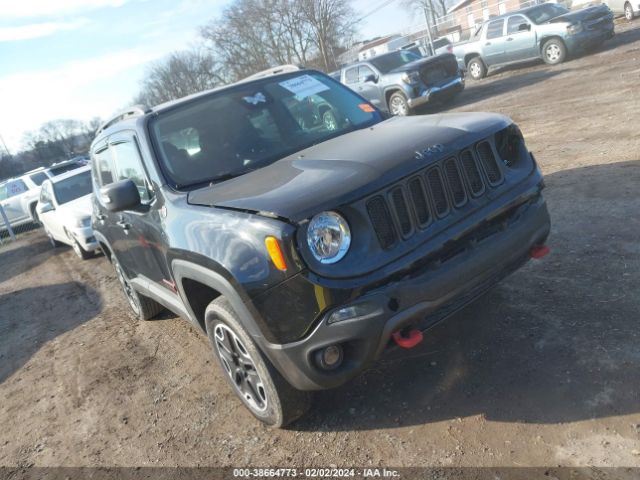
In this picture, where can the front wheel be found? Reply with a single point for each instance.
(628, 12)
(554, 51)
(398, 105)
(79, 251)
(329, 121)
(262, 389)
(477, 69)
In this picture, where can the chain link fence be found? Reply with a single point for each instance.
(11, 230)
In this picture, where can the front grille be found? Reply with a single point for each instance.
(382, 222)
(490, 163)
(433, 194)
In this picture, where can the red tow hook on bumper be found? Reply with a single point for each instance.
(539, 251)
(409, 340)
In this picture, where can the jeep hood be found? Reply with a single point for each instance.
(349, 167)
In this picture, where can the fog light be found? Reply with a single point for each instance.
(329, 358)
(364, 309)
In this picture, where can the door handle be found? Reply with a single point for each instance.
(509, 39)
(101, 217)
(486, 44)
(124, 225)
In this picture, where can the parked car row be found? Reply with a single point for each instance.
(19, 196)
(298, 226)
(548, 31)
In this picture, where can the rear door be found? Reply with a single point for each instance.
(11, 200)
(521, 39)
(495, 43)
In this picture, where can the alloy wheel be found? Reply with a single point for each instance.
(127, 288)
(399, 107)
(474, 69)
(240, 367)
(553, 52)
(628, 12)
(329, 121)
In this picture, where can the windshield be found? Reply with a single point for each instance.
(544, 13)
(226, 134)
(390, 61)
(72, 188)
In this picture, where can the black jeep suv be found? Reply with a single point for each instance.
(302, 249)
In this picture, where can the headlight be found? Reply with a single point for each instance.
(83, 222)
(328, 237)
(575, 28)
(410, 78)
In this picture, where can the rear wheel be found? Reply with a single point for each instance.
(144, 308)
(477, 69)
(628, 11)
(262, 389)
(329, 121)
(554, 51)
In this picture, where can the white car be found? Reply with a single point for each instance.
(64, 209)
(629, 8)
(19, 196)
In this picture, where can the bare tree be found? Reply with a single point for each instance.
(332, 24)
(253, 35)
(434, 9)
(179, 74)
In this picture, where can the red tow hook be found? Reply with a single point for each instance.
(410, 340)
(539, 251)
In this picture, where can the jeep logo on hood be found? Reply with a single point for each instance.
(427, 152)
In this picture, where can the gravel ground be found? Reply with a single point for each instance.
(544, 370)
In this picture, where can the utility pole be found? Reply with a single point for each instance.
(426, 17)
(5, 146)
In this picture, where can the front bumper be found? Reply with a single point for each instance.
(420, 298)
(589, 38)
(441, 91)
(84, 237)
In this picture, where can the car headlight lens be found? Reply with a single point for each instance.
(575, 28)
(83, 222)
(410, 77)
(328, 237)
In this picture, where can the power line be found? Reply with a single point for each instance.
(376, 9)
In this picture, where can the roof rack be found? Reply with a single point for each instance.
(271, 71)
(135, 111)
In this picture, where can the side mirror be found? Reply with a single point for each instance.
(372, 77)
(524, 27)
(118, 196)
(44, 208)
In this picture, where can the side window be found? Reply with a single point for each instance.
(103, 167)
(3, 191)
(351, 75)
(516, 24)
(38, 178)
(16, 187)
(128, 165)
(364, 72)
(494, 29)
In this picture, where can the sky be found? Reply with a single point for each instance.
(85, 58)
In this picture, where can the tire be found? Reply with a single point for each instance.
(265, 393)
(554, 51)
(628, 12)
(79, 251)
(329, 121)
(398, 105)
(143, 307)
(54, 243)
(34, 216)
(476, 68)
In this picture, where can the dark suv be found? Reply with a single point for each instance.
(303, 250)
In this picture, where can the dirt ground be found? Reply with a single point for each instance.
(542, 371)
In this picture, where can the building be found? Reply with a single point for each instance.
(463, 17)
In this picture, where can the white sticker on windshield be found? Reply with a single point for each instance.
(304, 86)
(256, 99)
